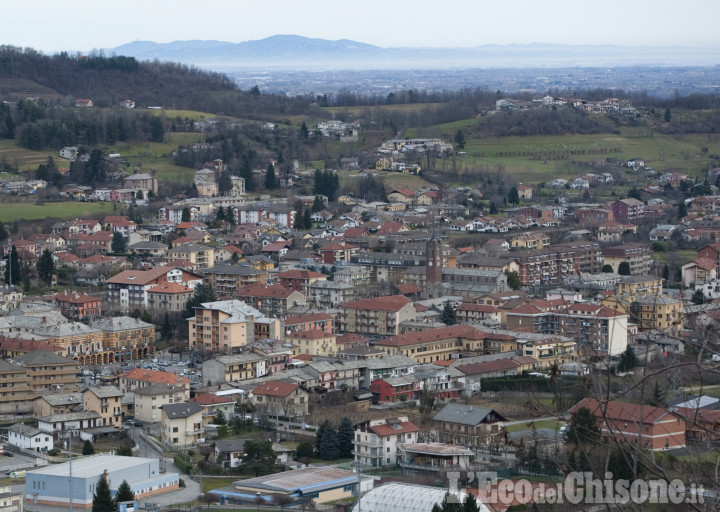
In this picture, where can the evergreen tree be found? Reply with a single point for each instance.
(219, 418)
(318, 204)
(668, 115)
(513, 280)
(119, 244)
(307, 220)
(459, 139)
(88, 448)
(329, 449)
(698, 297)
(203, 293)
(270, 181)
(102, 499)
(624, 268)
(513, 196)
(658, 397)
(320, 433)
(13, 270)
(299, 220)
(304, 131)
(185, 215)
(124, 493)
(628, 360)
(259, 457)
(3, 231)
(46, 267)
(682, 209)
(583, 429)
(666, 272)
(224, 183)
(166, 330)
(607, 269)
(146, 317)
(220, 215)
(493, 208)
(345, 436)
(448, 315)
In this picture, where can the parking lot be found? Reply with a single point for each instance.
(163, 362)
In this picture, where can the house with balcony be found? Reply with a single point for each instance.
(129, 289)
(273, 300)
(200, 256)
(182, 425)
(234, 367)
(212, 404)
(381, 315)
(395, 389)
(223, 326)
(281, 400)
(107, 402)
(149, 400)
(227, 280)
(467, 424)
(314, 342)
(376, 441)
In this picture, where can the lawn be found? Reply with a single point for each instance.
(518, 427)
(10, 212)
(681, 256)
(210, 483)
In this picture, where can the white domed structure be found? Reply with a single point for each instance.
(398, 497)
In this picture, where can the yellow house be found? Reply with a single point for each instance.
(149, 400)
(530, 241)
(201, 256)
(549, 351)
(182, 424)
(107, 402)
(315, 342)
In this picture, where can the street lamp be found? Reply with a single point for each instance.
(70, 431)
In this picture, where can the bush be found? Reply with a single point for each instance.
(182, 464)
(181, 483)
(54, 452)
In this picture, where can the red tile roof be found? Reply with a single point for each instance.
(402, 427)
(170, 288)
(442, 333)
(621, 411)
(210, 399)
(275, 389)
(314, 317)
(393, 303)
(274, 291)
(154, 376)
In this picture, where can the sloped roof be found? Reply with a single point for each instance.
(466, 414)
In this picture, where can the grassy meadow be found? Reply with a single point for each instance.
(9, 212)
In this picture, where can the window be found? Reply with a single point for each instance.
(175, 429)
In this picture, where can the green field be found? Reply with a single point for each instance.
(10, 212)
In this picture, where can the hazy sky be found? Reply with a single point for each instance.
(53, 25)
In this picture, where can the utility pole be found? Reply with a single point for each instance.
(70, 433)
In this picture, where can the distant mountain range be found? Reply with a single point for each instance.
(302, 53)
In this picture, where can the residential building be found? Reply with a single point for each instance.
(29, 438)
(48, 372)
(78, 306)
(182, 425)
(434, 457)
(227, 280)
(382, 315)
(150, 399)
(468, 424)
(376, 441)
(636, 254)
(56, 403)
(224, 326)
(328, 294)
(628, 209)
(314, 342)
(299, 280)
(106, 401)
(395, 389)
(15, 389)
(139, 378)
(234, 368)
(281, 399)
(200, 256)
(169, 297)
(272, 300)
(321, 321)
(128, 289)
(212, 404)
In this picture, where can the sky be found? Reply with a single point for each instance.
(82, 25)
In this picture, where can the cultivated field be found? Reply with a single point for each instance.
(9, 212)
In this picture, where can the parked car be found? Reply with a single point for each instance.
(8, 454)
(138, 424)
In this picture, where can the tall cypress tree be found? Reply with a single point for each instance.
(345, 436)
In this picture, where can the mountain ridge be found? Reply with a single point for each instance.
(298, 52)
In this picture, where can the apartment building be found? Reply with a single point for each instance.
(224, 326)
(228, 279)
(149, 400)
(636, 254)
(200, 256)
(182, 424)
(272, 300)
(234, 368)
(382, 315)
(314, 342)
(107, 402)
(433, 344)
(129, 289)
(376, 441)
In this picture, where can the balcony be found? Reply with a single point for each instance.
(195, 432)
(371, 444)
